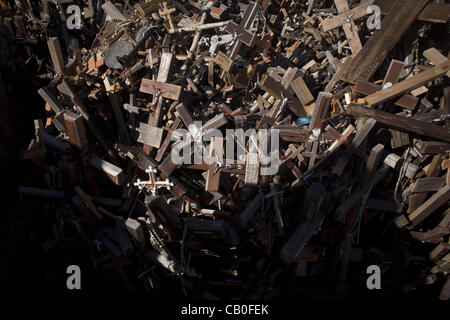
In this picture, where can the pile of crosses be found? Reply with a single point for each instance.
(360, 110)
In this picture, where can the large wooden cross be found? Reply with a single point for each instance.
(346, 19)
(241, 29)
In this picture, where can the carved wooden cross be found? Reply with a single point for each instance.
(215, 165)
(346, 19)
(167, 13)
(241, 31)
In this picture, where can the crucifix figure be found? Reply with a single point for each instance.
(240, 32)
(346, 20)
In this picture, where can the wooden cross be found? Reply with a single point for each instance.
(167, 140)
(346, 19)
(241, 31)
(407, 101)
(215, 12)
(167, 13)
(340, 138)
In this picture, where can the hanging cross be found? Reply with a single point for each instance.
(241, 31)
(167, 13)
(346, 20)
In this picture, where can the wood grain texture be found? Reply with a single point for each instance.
(401, 123)
(408, 84)
(399, 18)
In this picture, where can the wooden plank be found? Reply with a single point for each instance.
(366, 87)
(185, 115)
(223, 61)
(435, 12)
(428, 185)
(431, 147)
(302, 91)
(321, 110)
(149, 135)
(399, 139)
(164, 67)
(123, 130)
(252, 163)
(435, 202)
(213, 177)
(50, 98)
(167, 140)
(408, 84)
(435, 57)
(56, 54)
(393, 73)
(301, 237)
(75, 129)
(339, 20)
(114, 173)
(401, 123)
(399, 18)
(371, 166)
(407, 101)
(169, 91)
(441, 250)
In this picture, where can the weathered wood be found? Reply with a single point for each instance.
(393, 73)
(339, 20)
(435, 12)
(123, 131)
(399, 18)
(301, 236)
(371, 166)
(169, 91)
(321, 110)
(241, 30)
(401, 123)
(223, 61)
(366, 87)
(350, 29)
(75, 130)
(213, 175)
(56, 54)
(114, 173)
(149, 135)
(428, 185)
(167, 140)
(302, 91)
(437, 200)
(408, 84)
(270, 85)
(435, 56)
(399, 139)
(252, 164)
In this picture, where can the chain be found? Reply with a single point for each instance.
(182, 258)
(156, 240)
